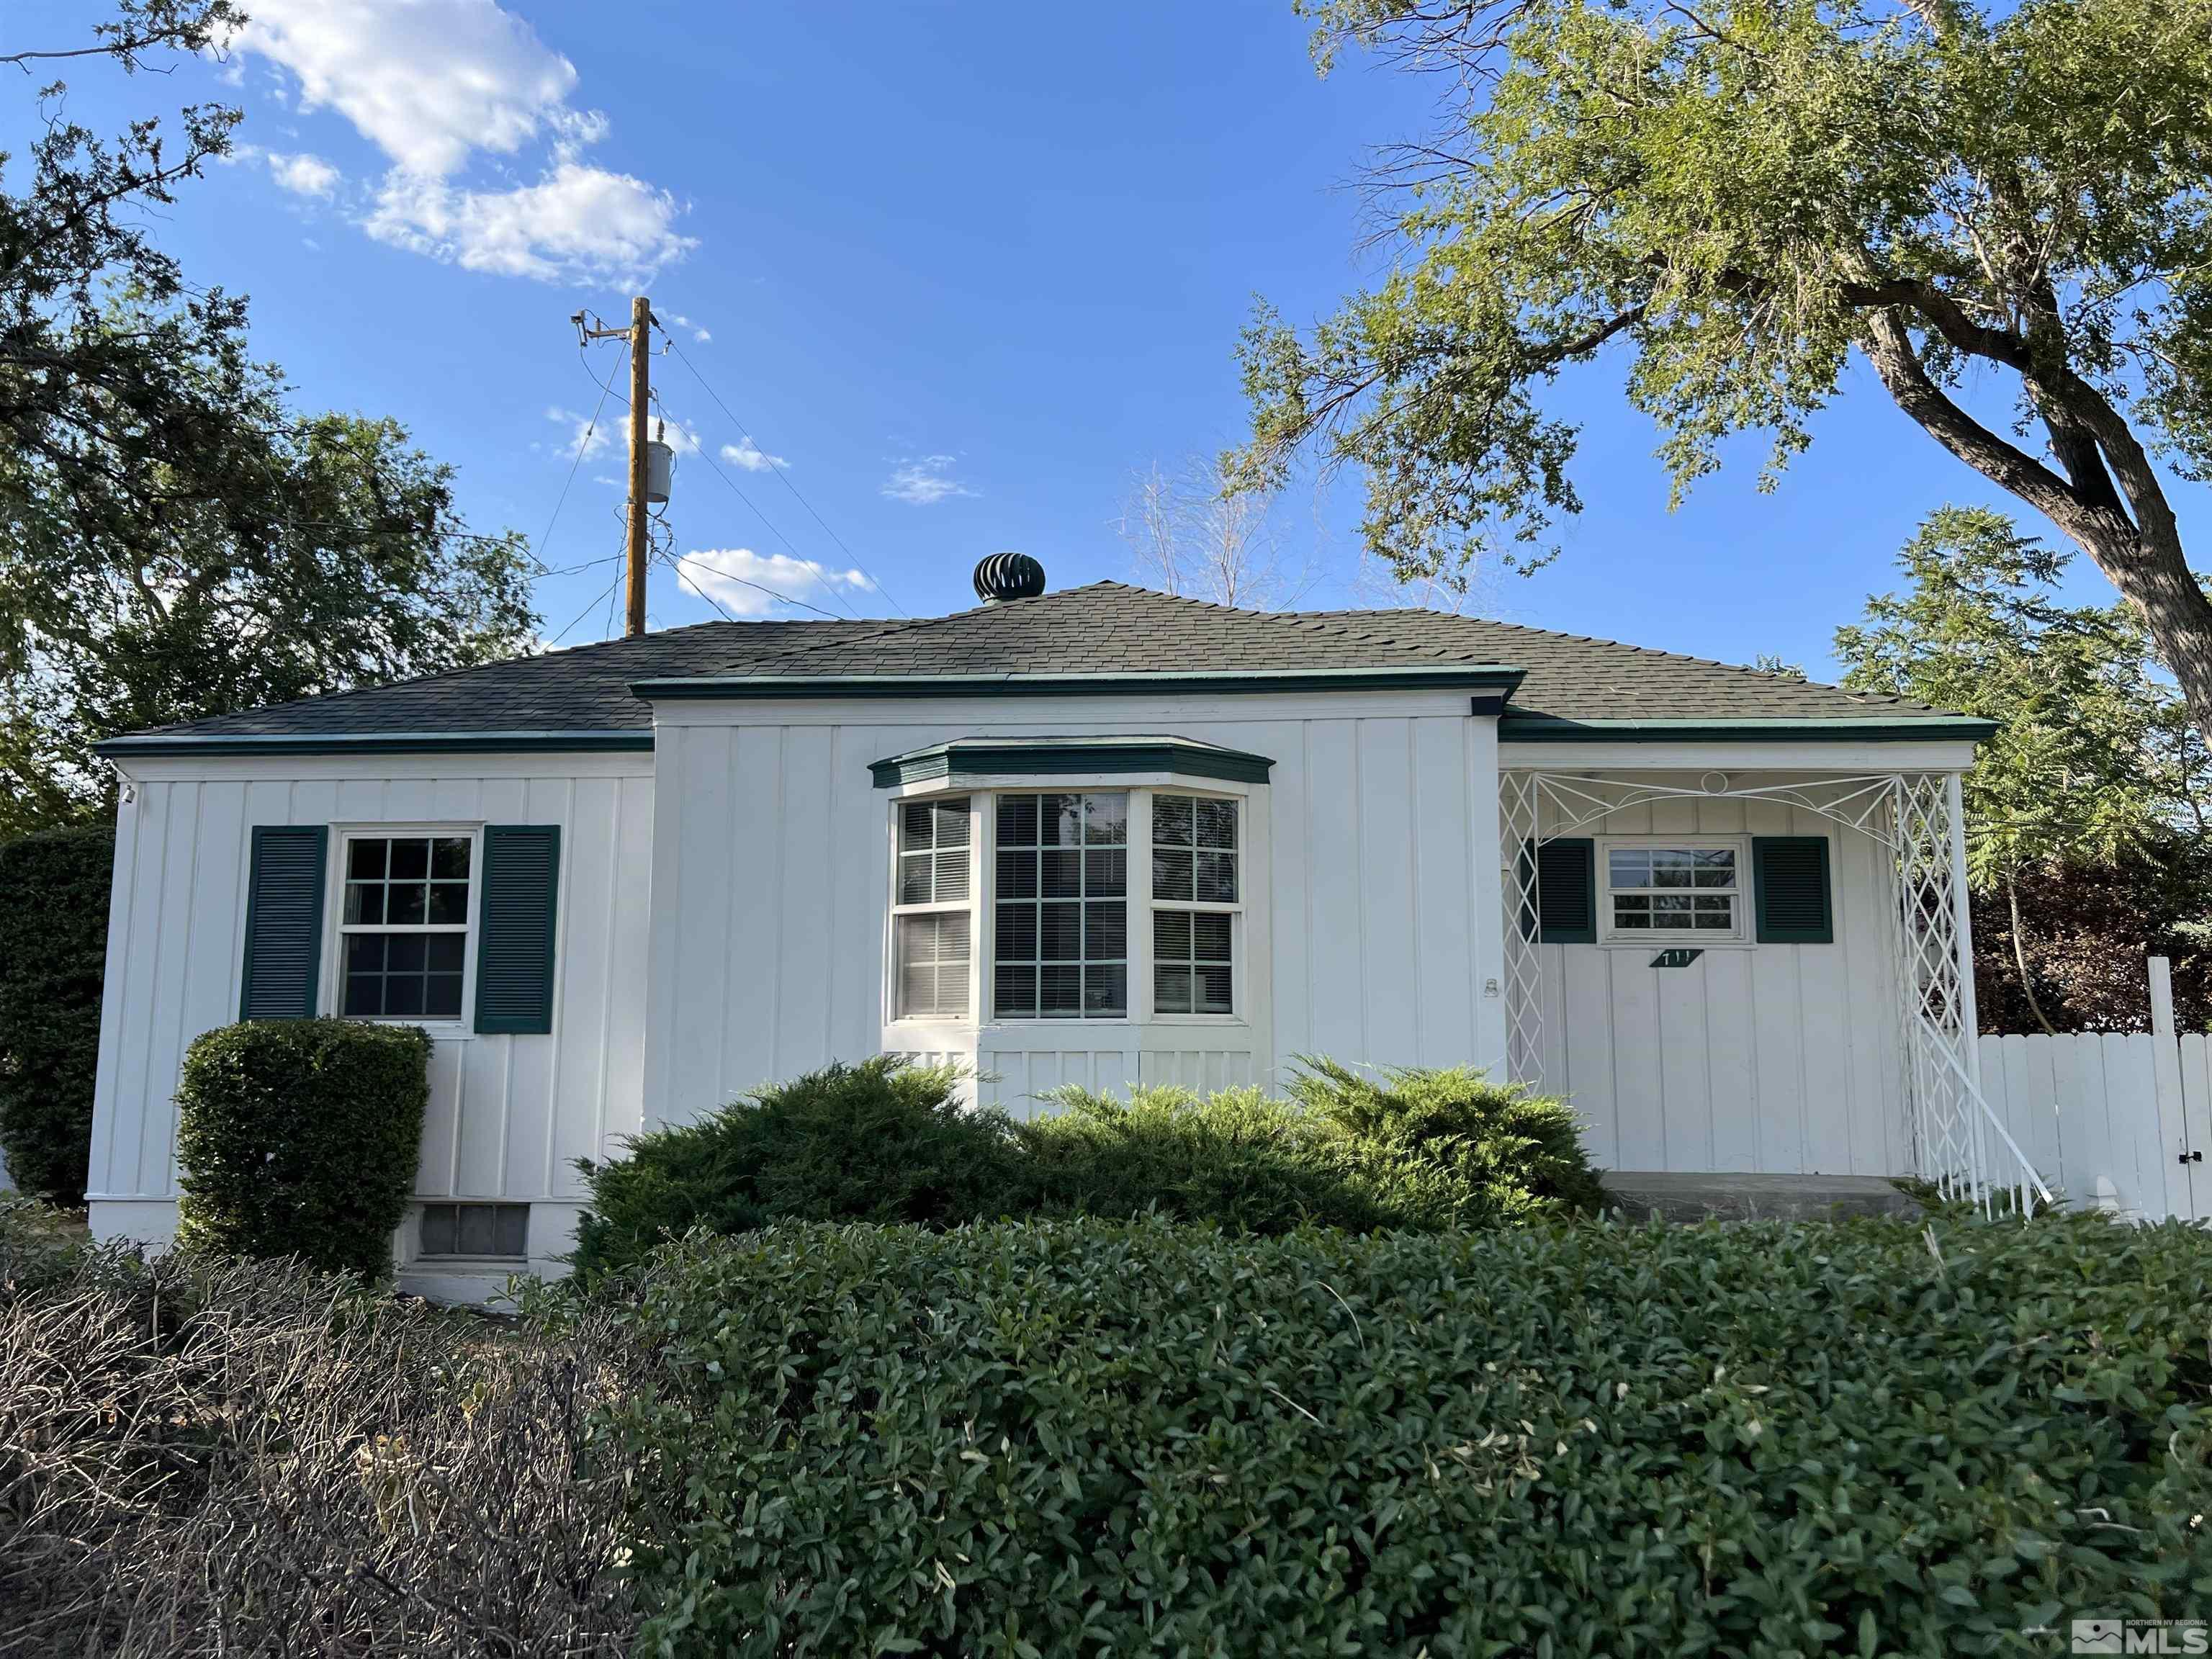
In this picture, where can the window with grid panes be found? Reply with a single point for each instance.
(1060, 921)
(1196, 887)
(404, 926)
(1673, 890)
(931, 908)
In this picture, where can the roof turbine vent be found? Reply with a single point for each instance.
(1006, 576)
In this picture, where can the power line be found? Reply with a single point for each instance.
(829, 588)
(588, 609)
(776, 466)
(582, 444)
(742, 581)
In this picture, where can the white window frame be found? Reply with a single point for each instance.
(894, 990)
(983, 794)
(331, 997)
(1238, 963)
(1671, 938)
(987, 912)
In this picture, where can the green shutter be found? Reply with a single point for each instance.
(1566, 892)
(284, 922)
(1789, 881)
(515, 927)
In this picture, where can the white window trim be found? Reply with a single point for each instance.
(330, 998)
(1239, 995)
(894, 991)
(983, 794)
(1668, 939)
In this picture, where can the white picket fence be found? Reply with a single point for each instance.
(2117, 1119)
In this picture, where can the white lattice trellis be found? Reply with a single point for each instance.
(1957, 1142)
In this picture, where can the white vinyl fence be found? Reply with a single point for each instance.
(2117, 1119)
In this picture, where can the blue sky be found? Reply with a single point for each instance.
(965, 268)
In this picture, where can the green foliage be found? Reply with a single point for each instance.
(2084, 931)
(299, 1138)
(1451, 1148)
(880, 1141)
(2095, 759)
(2086, 840)
(176, 540)
(1425, 1150)
(1739, 198)
(53, 954)
(884, 1141)
(1109, 1437)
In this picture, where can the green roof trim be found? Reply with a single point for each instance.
(376, 743)
(1539, 728)
(1440, 676)
(1068, 756)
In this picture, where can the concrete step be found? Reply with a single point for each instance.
(1688, 1195)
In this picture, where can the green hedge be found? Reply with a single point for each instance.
(884, 1142)
(1424, 1150)
(1096, 1437)
(300, 1138)
(878, 1141)
(53, 951)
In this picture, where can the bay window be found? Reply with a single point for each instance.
(1114, 904)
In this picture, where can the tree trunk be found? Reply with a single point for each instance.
(2020, 959)
(2163, 592)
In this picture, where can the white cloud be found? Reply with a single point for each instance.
(699, 335)
(432, 83)
(304, 174)
(678, 436)
(752, 457)
(584, 437)
(923, 481)
(578, 223)
(425, 80)
(737, 576)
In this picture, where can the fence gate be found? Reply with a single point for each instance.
(2121, 1120)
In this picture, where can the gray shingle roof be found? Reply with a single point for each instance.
(1104, 628)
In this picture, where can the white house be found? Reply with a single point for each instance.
(1093, 837)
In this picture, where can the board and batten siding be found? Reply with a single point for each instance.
(1773, 1059)
(509, 1114)
(1380, 928)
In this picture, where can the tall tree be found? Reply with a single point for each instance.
(175, 541)
(1740, 195)
(2096, 772)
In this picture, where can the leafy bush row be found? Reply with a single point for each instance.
(1094, 1437)
(883, 1141)
(300, 1138)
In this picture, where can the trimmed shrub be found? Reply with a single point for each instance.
(1109, 1438)
(54, 953)
(1451, 1148)
(1418, 1150)
(300, 1138)
(880, 1141)
(1239, 1159)
(885, 1142)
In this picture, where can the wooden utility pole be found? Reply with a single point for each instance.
(640, 336)
(641, 391)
